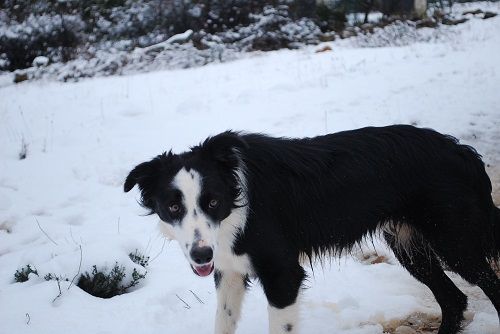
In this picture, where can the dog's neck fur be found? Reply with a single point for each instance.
(231, 228)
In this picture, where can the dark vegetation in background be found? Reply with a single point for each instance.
(63, 29)
(57, 28)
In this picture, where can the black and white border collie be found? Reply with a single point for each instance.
(252, 206)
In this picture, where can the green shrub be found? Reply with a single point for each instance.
(22, 275)
(108, 284)
(331, 19)
(139, 258)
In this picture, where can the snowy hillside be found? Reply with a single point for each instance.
(83, 138)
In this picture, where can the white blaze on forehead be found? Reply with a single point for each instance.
(194, 226)
(189, 184)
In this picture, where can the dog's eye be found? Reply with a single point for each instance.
(174, 208)
(213, 204)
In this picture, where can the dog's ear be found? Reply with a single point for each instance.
(139, 172)
(225, 147)
(147, 176)
(145, 172)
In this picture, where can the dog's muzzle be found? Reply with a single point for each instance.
(202, 256)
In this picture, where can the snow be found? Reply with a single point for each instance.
(178, 38)
(40, 61)
(83, 138)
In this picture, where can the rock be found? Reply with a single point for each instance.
(473, 12)
(269, 42)
(405, 330)
(489, 15)
(379, 259)
(20, 77)
(175, 39)
(325, 48)
(438, 14)
(426, 23)
(327, 37)
(367, 27)
(373, 258)
(40, 61)
(453, 22)
(348, 33)
(180, 38)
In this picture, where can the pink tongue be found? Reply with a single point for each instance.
(204, 270)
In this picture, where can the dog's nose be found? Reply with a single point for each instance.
(201, 255)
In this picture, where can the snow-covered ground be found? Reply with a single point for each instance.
(83, 138)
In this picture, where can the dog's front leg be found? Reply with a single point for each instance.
(283, 320)
(282, 292)
(230, 288)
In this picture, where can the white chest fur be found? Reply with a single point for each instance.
(225, 259)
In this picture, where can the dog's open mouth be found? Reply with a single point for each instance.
(203, 270)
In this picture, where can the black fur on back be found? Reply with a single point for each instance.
(321, 195)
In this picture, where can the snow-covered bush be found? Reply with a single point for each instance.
(53, 36)
(66, 30)
(22, 275)
(272, 29)
(401, 33)
(397, 34)
(79, 39)
(116, 62)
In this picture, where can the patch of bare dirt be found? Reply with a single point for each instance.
(370, 256)
(374, 258)
(496, 268)
(419, 323)
(494, 174)
(6, 226)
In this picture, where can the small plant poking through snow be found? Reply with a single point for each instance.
(24, 150)
(136, 277)
(108, 284)
(139, 258)
(22, 275)
(54, 277)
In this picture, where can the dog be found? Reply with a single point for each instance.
(251, 206)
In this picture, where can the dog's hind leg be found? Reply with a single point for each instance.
(421, 262)
(466, 245)
(230, 288)
(468, 262)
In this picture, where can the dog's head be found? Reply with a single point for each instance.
(192, 193)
